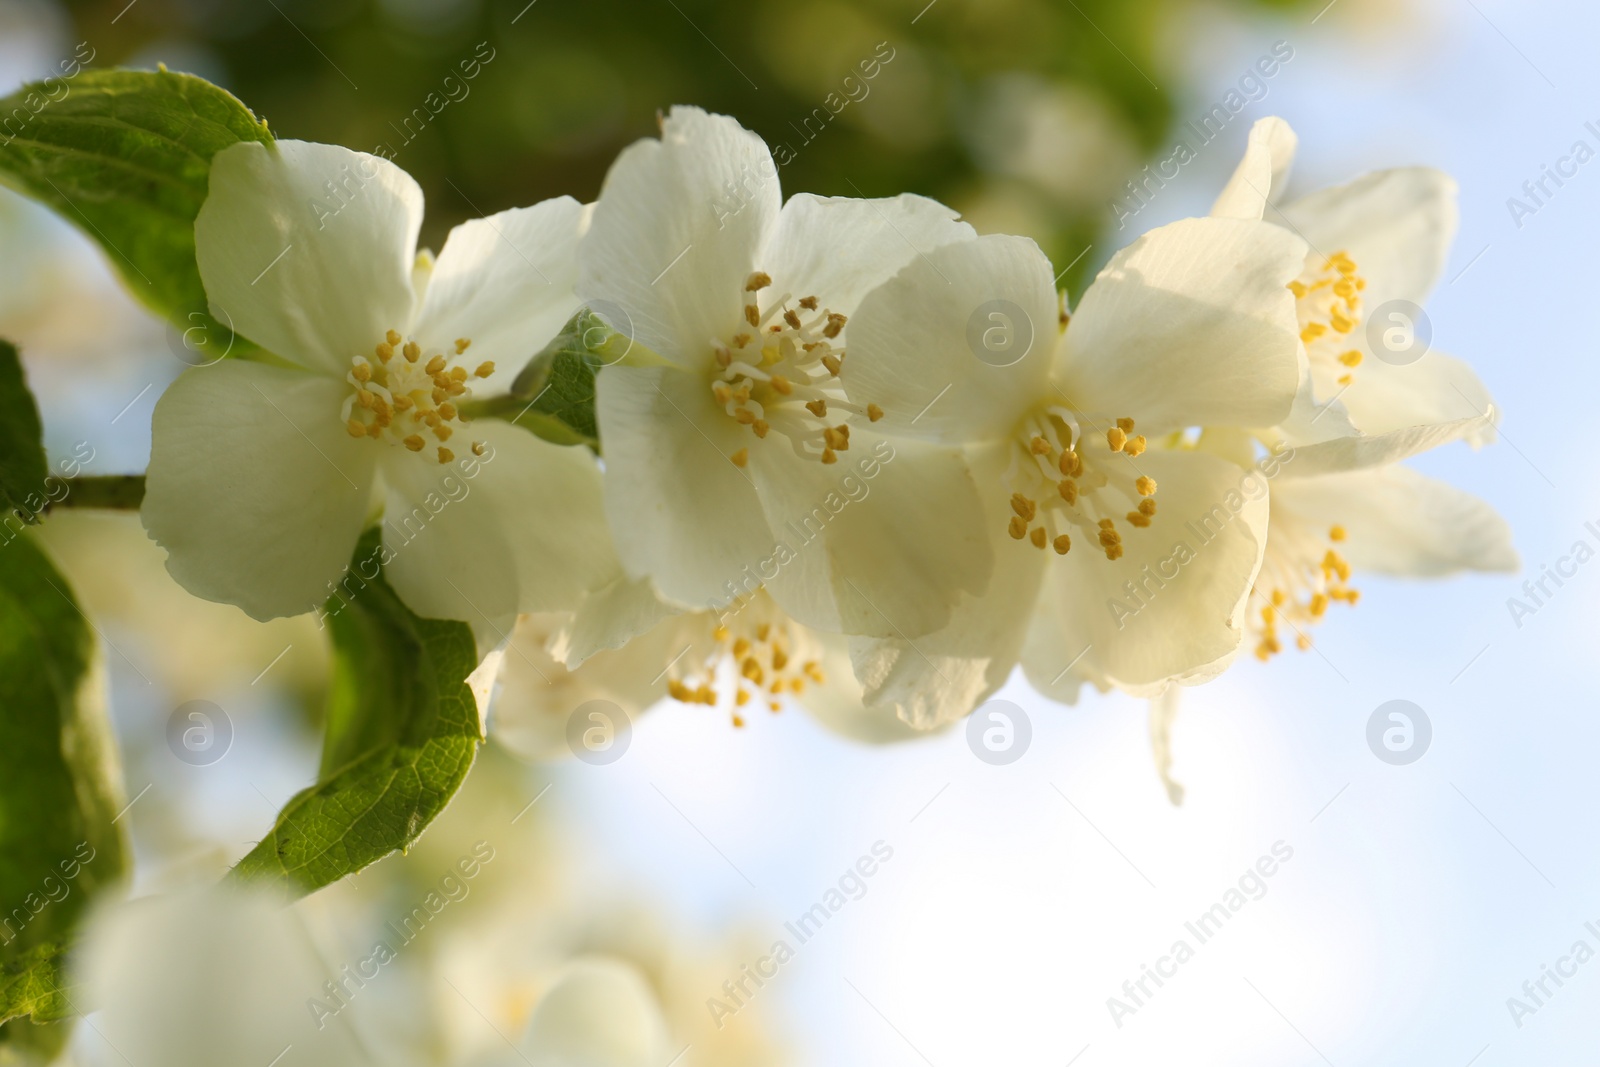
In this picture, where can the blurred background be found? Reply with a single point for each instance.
(1418, 899)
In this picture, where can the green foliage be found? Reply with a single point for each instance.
(59, 783)
(125, 155)
(22, 461)
(553, 396)
(402, 732)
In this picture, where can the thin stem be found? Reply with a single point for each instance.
(120, 492)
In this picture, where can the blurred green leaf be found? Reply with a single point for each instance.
(402, 732)
(60, 786)
(125, 156)
(22, 461)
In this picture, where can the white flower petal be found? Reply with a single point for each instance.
(886, 540)
(1163, 713)
(839, 248)
(1436, 388)
(837, 702)
(680, 512)
(608, 618)
(506, 284)
(1194, 566)
(255, 488)
(1192, 324)
(1396, 224)
(1361, 451)
(1402, 523)
(676, 231)
(938, 679)
(537, 694)
(481, 540)
(599, 1013)
(214, 977)
(957, 346)
(313, 276)
(1261, 174)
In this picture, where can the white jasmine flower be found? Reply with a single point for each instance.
(1076, 441)
(718, 452)
(263, 474)
(1383, 237)
(745, 661)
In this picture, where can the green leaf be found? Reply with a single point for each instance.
(402, 731)
(60, 788)
(22, 462)
(125, 155)
(553, 396)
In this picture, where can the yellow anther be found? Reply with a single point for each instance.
(1018, 528)
(356, 427)
(478, 448)
(436, 365)
(836, 323)
(459, 374)
(442, 432)
(760, 426)
(362, 371)
(779, 659)
(1147, 506)
(1336, 533)
(365, 399)
(1125, 425)
(757, 281)
(752, 314)
(1146, 486)
(809, 303)
(1135, 445)
(741, 339)
(462, 344)
(1039, 446)
(392, 336)
(1116, 437)
(445, 455)
(485, 369)
(1068, 490)
(385, 351)
(447, 410)
(1038, 537)
(1340, 321)
(740, 647)
(401, 403)
(744, 416)
(818, 407)
(1023, 506)
(781, 384)
(1351, 358)
(828, 456)
(741, 457)
(1298, 289)
(1139, 519)
(412, 351)
(1319, 604)
(1070, 464)
(832, 363)
(874, 413)
(741, 698)
(792, 317)
(415, 442)
(1062, 544)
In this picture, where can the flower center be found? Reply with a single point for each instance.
(748, 661)
(781, 374)
(402, 399)
(1062, 478)
(1329, 308)
(1301, 574)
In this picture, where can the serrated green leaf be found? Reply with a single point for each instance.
(402, 732)
(125, 156)
(60, 788)
(22, 461)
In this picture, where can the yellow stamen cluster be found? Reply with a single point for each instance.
(400, 399)
(779, 374)
(1055, 458)
(1328, 303)
(764, 660)
(1299, 586)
